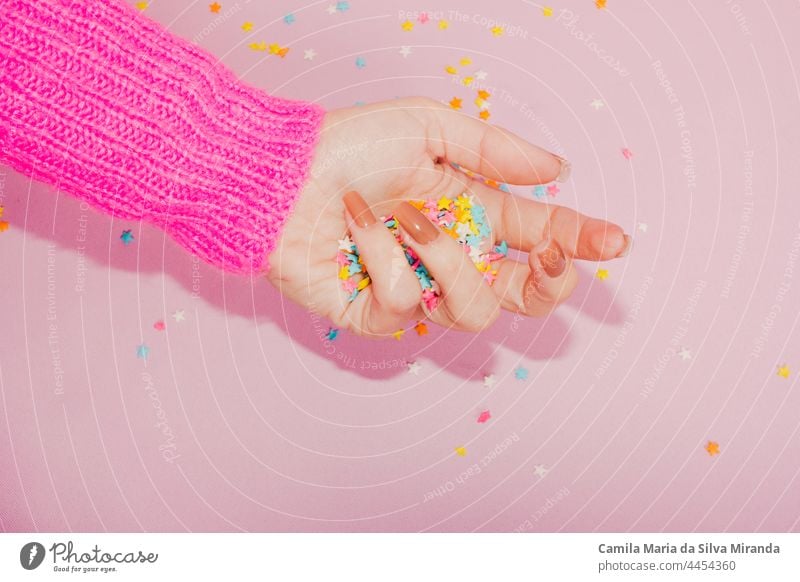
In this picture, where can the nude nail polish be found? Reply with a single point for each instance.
(552, 258)
(566, 169)
(359, 209)
(416, 224)
(626, 248)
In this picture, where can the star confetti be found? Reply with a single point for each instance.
(783, 371)
(331, 9)
(142, 351)
(489, 380)
(600, 4)
(361, 62)
(552, 190)
(484, 114)
(484, 416)
(627, 154)
(142, 5)
(602, 274)
(423, 18)
(126, 237)
(215, 7)
(685, 354)
(179, 316)
(407, 26)
(461, 451)
(521, 373)
(398, 334)
(444, 25)
(455, 103)
(712, 448)
(642, 226)
(309, 54)
(333, 333)
(258, 46)
(405, 51)
(463, 220)
(413, 368)
(289, 19)
(342, 6)
(547, 11)
(497, 31)
(421, 328)
(597, 104)
(540, 470)
(159, 326)
(247, 26)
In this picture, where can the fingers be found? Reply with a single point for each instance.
(537, 288)
(468, 302)
(394, 292)
(491, 151)
(523, 223)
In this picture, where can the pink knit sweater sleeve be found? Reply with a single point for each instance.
(107, 105)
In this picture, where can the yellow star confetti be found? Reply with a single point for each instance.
(215, 7)
(455, 103)
(498, 31)
(247, 26)
(783, 371)
(466, 61)
(602, 274)
(444, 203)
(258, 46)
(142, 5)
(600, 4)
(2, 209)
(547, 11)
(444, 25)
(408, 26)
(467, 81)
(712, 448)
(398, 334)
(461, 451)
(484, 114)
(276, 49)
(421, 328)
(463, 203)
(450, 70)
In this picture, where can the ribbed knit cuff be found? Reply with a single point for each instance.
(107, 105)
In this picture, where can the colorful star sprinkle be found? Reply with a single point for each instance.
(333, 333)
(3, 223)
(444, 25)
(126, 237)
(407, 26)
(342, 6)
(521, 373)
(712, 448)
(361, 62)
(602, 274)
(461, 451)
(142, 351)
(423, 18)
(783, 371)
(497, 31)
(247, 26)
(398, 334)
(540, 470)
(421, 328)
(159, 326)
(413, 368)
(455, 103)
(547, 11)
(142, 5)
(489, 380)
(289, 19)
(627, 154)
(179, 316)
(462, 219)
(215, 7)
(484, 416)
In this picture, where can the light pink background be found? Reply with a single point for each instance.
(276, 429)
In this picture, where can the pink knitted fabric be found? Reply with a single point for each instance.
(107, 105)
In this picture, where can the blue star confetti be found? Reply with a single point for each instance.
(521, 373)
(126, 237)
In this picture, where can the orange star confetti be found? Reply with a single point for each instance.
(484, 114)
(421, 328)
(3, 225)
(455, 103)
(600, 4)
(712, 448)
(483, 94)
(215, 7)
(2, 209)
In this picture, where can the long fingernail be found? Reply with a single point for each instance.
(566, 169)
(552, 258)
(626, 248)
(358, 209)
(414, 222)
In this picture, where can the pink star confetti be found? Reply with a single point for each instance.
(159, 326)
(627, 154)
(484, 416)
(423, 18)
(552, 190)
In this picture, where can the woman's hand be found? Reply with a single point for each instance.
(400, 150)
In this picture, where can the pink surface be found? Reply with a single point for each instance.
(244, 417)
